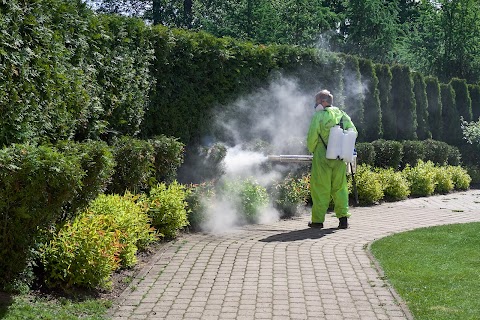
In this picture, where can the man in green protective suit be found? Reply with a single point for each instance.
(329, 177)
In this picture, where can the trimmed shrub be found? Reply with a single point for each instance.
(454, 156)
(96, 159)
(421, 178)
(388, 153)
(395, 184)
(35, 184)
(83, 253)
(474, 172)
(470, 154)
(365, 153)
(203, 164)
(460, 177)
(436, 152)
(135, 165)
(167, 207)
(443, 180)
(291, 194)
(198, 195)
(369, 188)
(412, 152)
(169, 154)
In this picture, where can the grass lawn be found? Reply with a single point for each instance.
(435, 270)
(29, 308)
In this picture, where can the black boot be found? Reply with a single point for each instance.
(317, 225)
(343, 223)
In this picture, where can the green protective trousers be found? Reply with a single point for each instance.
(328, 177)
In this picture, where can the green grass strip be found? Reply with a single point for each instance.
(435, 270)
(32, 308)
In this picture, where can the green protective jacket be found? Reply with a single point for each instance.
(329, 177)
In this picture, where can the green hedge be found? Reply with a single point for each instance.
(98, 163)
(35, 184)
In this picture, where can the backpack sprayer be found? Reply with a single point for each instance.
(341, 146)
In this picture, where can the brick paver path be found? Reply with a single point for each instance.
(285, 270)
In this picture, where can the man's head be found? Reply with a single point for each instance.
(324, 97)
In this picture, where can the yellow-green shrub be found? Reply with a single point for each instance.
(368, 185)
(395, 185)
(103, 238)
(421, 178)
(130, 219)
(292, 193)
(83, 253)
(443, 180)
(461, 178)
(167, 208)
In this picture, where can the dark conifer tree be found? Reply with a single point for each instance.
(403, 102)
(419, 89)
(452, 131)
(462, 98)
(435, 122)
(384, 76)
(474, 91)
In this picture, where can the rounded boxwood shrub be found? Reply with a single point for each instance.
(97, 160)
(388, 153)
(365, 153)
(412, 152)
(135, 169)
(436, 152)
(395, 185)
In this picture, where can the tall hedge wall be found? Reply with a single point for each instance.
(66, 73)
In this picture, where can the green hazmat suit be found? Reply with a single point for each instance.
(329, 177)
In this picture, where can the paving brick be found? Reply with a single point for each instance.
(284, 270)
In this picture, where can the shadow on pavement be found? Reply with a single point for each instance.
(297, 235)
